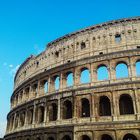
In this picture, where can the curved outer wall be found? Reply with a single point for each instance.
(94, 110)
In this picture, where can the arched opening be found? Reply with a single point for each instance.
(102, 73)
(50, 138)
(53, 112)
(85, 137)
(138, 68)
(45, 86)
(121, 70)
(66, 138)
(38, 138)
(41, 110)
(130, 137)
(126, 105)
(22, 119)
(85, 108)
(104, 106)
(69, 79)
(57, 82)
(16, 121)
(67, 109)
(35, 89)
(85, 76)
(30, 116)
(106, 137)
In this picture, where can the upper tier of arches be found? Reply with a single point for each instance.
(102, 39)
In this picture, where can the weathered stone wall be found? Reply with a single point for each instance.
(94, 110)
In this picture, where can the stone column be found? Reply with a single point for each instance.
(91, 74)
(137, 103)
(115, 105)
(61, 82)
(34, 115)
(59, 109)
(45, 113)
(76, 77)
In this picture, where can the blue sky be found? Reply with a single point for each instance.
(26, 26)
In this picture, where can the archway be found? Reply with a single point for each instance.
(53, 112)
(130, 137)
(67, 109)
(69, 79)
(41, 110)
(85, 110)
(121, 70)
(106, 137)
(104, 106)
(126, 104)
(102, 73)
(85, 137)
(85, 76)
(66, 137)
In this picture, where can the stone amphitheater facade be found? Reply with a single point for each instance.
(100, 109)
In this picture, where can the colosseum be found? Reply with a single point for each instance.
(84, 86)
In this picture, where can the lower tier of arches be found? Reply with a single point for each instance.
(125, 131)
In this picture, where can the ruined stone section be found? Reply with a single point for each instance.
(54, 100)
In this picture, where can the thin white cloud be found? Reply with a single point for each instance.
(11, 66)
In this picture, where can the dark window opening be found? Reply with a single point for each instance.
(100, 53)
(67, 109)
(106, 137)
(129, 137)
(30, 116)
(85, 108)
(57, 54)
(83, 45)
(85, 137)
(41, 114)
(50, 138)
(53, 112)
(66, 138)
(104, 106)
(126, 105)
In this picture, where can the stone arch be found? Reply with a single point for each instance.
(57, 82)
(85, 107)
(38, 138)
(106, 137)
(130, 137)
(122, 70)
(102, 72)
(69, 77)
(30, 116)
(66, 137)
(22, 119)
(67, 109)
(50, 138)
(41, 110)
(126, 104)
(85, 137)
(16, 121)
(104, 106)
(137, 68)
(45, 86)
(53, 112)
(85, 75)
